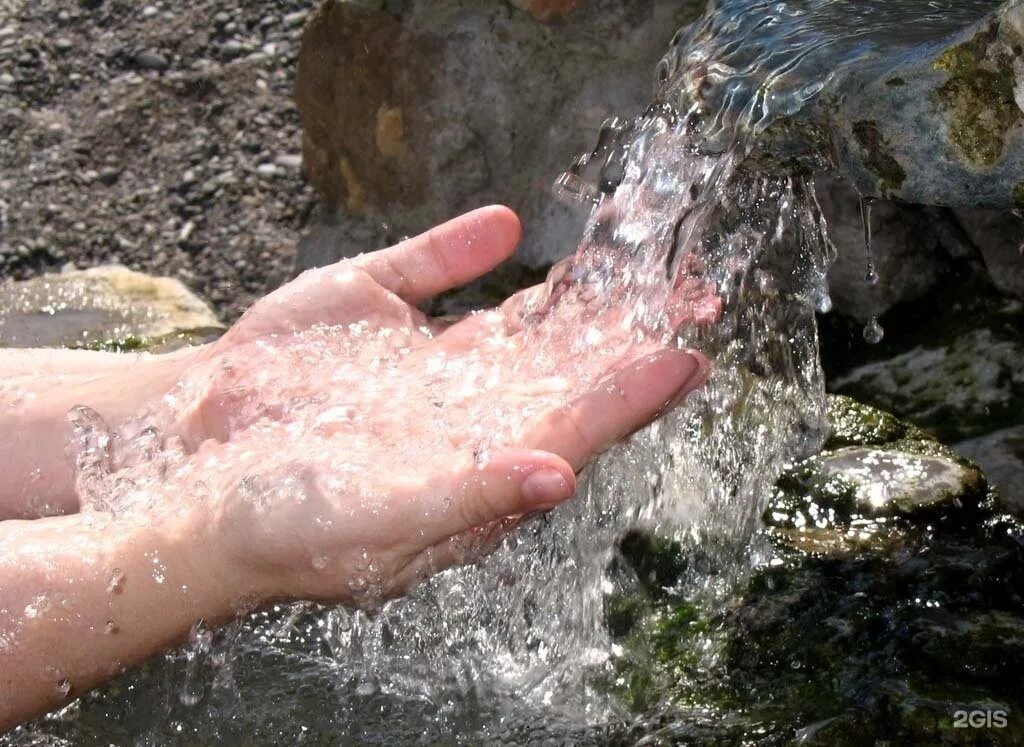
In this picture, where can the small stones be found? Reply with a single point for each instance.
(150, 60)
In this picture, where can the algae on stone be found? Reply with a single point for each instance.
(978, 96)
(878, 158)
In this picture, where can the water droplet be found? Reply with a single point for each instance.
(871, 276)
(111, 628)
(115, 584)
(873, 332)
(64, 687)
(319, 562)
(824, 303)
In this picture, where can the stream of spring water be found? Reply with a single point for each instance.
(515, 648)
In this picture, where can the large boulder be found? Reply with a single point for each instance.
(415, 111)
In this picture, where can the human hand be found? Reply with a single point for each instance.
(345, 445)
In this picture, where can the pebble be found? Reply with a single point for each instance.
(289, 161)
(63, 44)
(149, 60)
(110, 175)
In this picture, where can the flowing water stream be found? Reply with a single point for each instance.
(518, 648)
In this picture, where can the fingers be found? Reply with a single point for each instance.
(623, 403)
(510, 483)
(446, 256)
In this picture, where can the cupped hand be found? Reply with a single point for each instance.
(345, 445)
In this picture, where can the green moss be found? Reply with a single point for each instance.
(130, 344)
(1018, 195)
(877, 157)
(978, 96)
(854, 424)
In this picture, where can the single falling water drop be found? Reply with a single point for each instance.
(873, 332)
(824, 303)
(116, 581)
(64, 687)
(871, 276)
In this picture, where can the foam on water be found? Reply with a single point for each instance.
(681, 218)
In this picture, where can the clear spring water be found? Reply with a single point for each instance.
(516, 648)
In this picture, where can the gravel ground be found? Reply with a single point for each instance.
(159, 135)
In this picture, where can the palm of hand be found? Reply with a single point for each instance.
(358, 444)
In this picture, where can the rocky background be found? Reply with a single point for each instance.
(229, 145)
(159, 135)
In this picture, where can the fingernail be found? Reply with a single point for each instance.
(545, 487)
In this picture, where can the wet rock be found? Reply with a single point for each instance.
(413, 112)
(963, 95)
(854, 628)
(898, 482)
(872, 467)
(103, 307)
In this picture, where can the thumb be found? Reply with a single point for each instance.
(511, 482)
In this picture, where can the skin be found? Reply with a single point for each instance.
(328, 447)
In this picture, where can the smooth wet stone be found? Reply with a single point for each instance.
(413, 112)
(887, 481)
(873, 468)
(102, 307)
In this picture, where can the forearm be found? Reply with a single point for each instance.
(38, 388)
(82, 599)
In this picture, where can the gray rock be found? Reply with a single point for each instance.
(954, 386)
(1001, 455)
(999, 237)
(961, 93)
(150, 60)
(396, 130)
(102, 307)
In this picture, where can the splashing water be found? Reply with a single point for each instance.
(516, 646)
